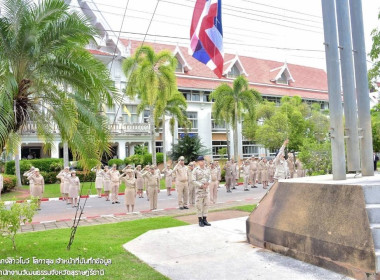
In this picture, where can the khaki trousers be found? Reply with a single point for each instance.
(229, 182)
(191, 194)
(202, 205)
(152, 194)
(253, 175)
(183, 193)
(115, 191)
(213, 191)
(246, 181)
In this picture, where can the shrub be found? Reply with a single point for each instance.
(134, 159)
(12, 217)
(56, 166)
(147, 159)
(9, 182)
(116, 161)
(50, 177)
(160, 158)
(44, 164)
(86, 176)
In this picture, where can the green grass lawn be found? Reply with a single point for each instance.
(246, 208)
(52, 190)
(102, 241)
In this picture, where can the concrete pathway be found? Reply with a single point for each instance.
(218, 252)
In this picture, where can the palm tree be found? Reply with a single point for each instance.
(150, 74)
(42, 48)
(230, 104)
(175, 106)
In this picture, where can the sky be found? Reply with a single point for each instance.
(290, 31)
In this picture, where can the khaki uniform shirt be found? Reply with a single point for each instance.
(253, 165)
(152, 180)
(180, 173)
(114, 174)
(201, 177)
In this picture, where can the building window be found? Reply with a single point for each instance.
(179, 68)
(194, 95)
(234, 72)
(206, 97)
(216, 146)
(217, 126)
(193, 118)
(134, 118)
(111, 113)
(159, 147)
(274, 99)
(250, 149)
(146, 116)
(283, 79)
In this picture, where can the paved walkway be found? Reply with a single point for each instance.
(120, 217)
(218, 252)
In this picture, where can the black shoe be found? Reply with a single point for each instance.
(113, 202)
(181, 208)
(185, 207)
(254, 187)
(201, 224)
(205, 222)
(246, 189)
(233, 188)
(118, 202)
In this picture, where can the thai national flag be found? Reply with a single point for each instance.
(206, 34)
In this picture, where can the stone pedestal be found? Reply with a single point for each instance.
(319, 221)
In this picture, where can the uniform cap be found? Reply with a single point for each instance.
(181, 158)
(36, 169)
(129, 171)
(200, 158)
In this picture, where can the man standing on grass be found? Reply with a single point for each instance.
(182, 183)
(115, 183)
(201, 180)
(153, 183)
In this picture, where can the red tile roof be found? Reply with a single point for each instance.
(309, 82)
(97, 52)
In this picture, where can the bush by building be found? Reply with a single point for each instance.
(118, 162)
(43, 164)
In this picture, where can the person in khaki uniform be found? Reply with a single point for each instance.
(259, 171)
(190, 169)
(271, 170)
(246, 172)
(253, 171)
(168, 173)
(300, 172)
(291, 165)
(201, 180)
(139, 181)
(265, 173)
(129, 179)
(234, 174)
(74, 188)
(181, 183)
(228, 175)
(107, 182)
(219, 172)
(280, 163)
(115, 183)
(214, 183)
(99, 179)
(153, 183)
(38, 185)
(27, 174)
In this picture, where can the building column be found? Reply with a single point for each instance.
(121, 149)
(54, 153)
(131, 149)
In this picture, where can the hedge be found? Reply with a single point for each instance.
(144, 159)
(9, 182)
(44, 164)
(116, 161)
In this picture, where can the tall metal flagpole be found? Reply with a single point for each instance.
(348, 82)
(335, 99)
(362, 91)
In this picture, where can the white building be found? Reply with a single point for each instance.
(272, 79)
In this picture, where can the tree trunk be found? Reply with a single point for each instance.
(65, 153)
(17, 168)
(228, 141)
(236, 149)
(153, 136)
(164, 138)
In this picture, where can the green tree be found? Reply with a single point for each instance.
(42, 48)
(150, 76)
(374, 72)
(375, 122)
(175, 106)
(189, 146)
(231, 103)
